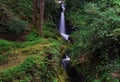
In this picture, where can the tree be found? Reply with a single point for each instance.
(41, 16)
(35, 13)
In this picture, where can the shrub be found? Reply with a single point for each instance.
(98, 29)
(5, 45)
(18, 72)
(17, 26)
(33, 35)
(5, 16)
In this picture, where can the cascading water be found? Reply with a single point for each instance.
(66, 59)
(63, 33)
(71, 71)
(62, 23)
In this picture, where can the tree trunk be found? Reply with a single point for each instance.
(35, 13)
(41, 17)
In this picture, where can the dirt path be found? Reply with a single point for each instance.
(13, 62)
(22, 54)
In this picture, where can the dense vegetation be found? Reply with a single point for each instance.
(25, 56)
(31, 60)
(95, 52)
(30, 57)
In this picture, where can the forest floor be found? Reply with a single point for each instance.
(37, 57)
(17, 56)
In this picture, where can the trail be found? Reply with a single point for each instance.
(19, 55)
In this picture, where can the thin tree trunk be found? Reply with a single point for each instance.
(41, 16)
(35, 13)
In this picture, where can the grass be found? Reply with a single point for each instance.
(38, 59)
(33, 60)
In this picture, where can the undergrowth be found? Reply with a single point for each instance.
(42, 57)
(96, 38)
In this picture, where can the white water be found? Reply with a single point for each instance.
(62, 23)
(64, 35)
(65, 61)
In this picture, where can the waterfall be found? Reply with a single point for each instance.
(72, 73)
(62, 24)
(62, 29)
(64, 35)
(65, 61)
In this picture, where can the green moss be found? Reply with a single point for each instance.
(41, 55)
(63, 77)
(37, 58)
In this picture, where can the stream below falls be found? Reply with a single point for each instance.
(71, 71)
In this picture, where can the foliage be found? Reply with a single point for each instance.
(74, 4)
(33, 35)
(22, 8)
(45, 56)
(97, 25)
(51, 9)
(42, 57)
(5, 45)
(4, 58)
(50, 30)
(17, 14)
(18, 72)
(17, 26)
(5, 16)
(37, 58)
(9, 23)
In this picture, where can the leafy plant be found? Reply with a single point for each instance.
(5, 45)
(97, 25)
(33, 35)
(17, 26)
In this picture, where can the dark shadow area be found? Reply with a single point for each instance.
(73, 74)
(13, 36)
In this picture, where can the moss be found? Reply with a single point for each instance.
(37, 59)
(32, 62)
(63, 77)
